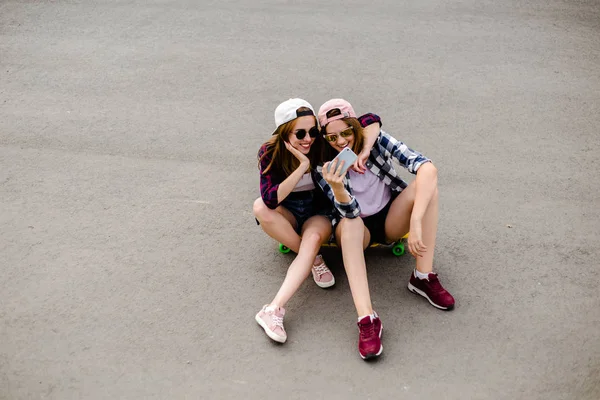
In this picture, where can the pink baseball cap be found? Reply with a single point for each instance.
(335, 109)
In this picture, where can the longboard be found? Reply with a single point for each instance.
(397, 247)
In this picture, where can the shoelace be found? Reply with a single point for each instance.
(321, 269)
(277, 321)
(367, 331)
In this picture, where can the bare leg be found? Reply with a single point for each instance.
(429, 226)
(278, 223)
(314, 232)
(353, 238)
(397, 224)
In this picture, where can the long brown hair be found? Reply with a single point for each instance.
(282, 161)
(329, 152)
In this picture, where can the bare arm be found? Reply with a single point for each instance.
(341, 194)
(426, 183)
(286, 187)
(371, 133)
(344, 203)
(332, 183)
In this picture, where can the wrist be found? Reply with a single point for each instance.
(339, 191)
(337, 187)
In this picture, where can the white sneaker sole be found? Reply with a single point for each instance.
(422, 293)
(325, 285)
(372, 355)
(269, 332)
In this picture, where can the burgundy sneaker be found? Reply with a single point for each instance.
(432, 290)
(369, 336)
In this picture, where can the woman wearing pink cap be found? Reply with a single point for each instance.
(376, 205)
(290, 209)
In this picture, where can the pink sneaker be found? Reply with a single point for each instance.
(271, 320)
(321, 274)
(432, 290)
(369, 336)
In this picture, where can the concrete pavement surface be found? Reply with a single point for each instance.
(131, 266)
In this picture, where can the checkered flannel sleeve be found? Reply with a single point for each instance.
(408, 158)
(368, 119)
(346, 210)
(268, 183)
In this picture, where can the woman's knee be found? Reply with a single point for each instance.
(351, 226)
(261, 211)
(313, 237)
(317, 230)
(351, 222)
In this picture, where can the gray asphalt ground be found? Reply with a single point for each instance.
(131, 266)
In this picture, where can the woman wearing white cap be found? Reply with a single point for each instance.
(376, 205)
(290, 209)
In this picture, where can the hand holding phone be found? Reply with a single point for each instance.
(334, 172)
(347, 156)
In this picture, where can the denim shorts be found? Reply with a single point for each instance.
(301, 205)
(304, 205)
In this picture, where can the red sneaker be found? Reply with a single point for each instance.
(369, 336)
(432, 290)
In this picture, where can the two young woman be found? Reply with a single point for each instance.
(291, 209)
(372, 204)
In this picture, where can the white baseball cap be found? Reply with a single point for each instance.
(288, 111)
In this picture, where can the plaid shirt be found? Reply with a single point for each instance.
(385, 149)
(269, 182)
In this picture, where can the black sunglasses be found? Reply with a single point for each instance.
(312, 132)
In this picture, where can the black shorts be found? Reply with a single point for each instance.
(376, 224)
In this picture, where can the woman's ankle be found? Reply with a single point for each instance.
(364, 311)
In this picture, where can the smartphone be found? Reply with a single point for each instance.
(346, 155)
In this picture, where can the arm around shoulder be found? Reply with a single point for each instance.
(407, 157)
